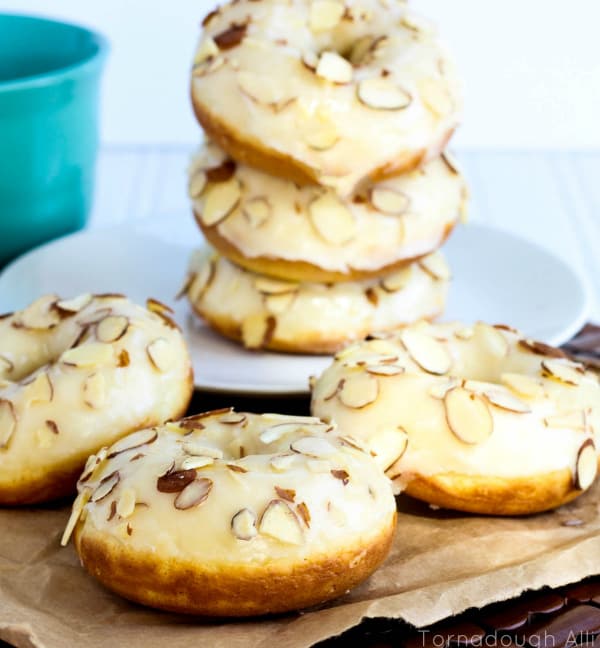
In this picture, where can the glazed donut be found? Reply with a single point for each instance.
(475, 418)
(324, 91)
(76, 374)
(232, 514)
(315, 318)
(272, 226)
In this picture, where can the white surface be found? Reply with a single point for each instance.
(150, 260)
(531, 69)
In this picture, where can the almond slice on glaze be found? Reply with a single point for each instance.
(233, 418)
(194, 494)
(382, 94)
(78, 505)
(40, 315)
(397, 280)
(468, 416)
(359, 390)
(586, 466)
(106, 487)
(389, 201)
(278, 304)
(392, 441)
(268, 286)
(201, 281)
(492, 339)
(88, 355)
(503, 399)
(174, 481)
(132, 442)
(257, 330)
(435, 97)
(220, 201)
(566, 372)
(323, 136)
(427, 352)
(384, 370)
(277, 431)
(325, 15)
(243, 524)
(257, 211)
(523, 385)
(161, 355)
(126, 503)
(439, 390)
(332, 220)
(264, 90)
(74, 305)
(281, 463)
(281, 523)
(198, 449)
(436, 267)
(193, 463)
(360, 50)
(112, 328)
(313, 447)
(8, 422)
(206, 50)
(540, 348)
(335, 68)
(197, 184)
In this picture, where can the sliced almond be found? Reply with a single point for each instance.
(435, 97)
(313, 447)
(439, 390)
(523, 385)
(325, 15)
(351, 442)
(161, 355)
(257, 211)
(563, 370)
(265, 90)
(465, 333)
(257, 330)
(231, 37)
(359, 390)
(268, 286)
(503, 399)
(112, 328)
(287, 494)
(303, 511)
(398, 280)
(322, 138)
(340, 474)
(133, 441)
(540, 348)
(221, 173)
(417, 23)
(194, 463)
(310, 60)
(126, 503)
(390, 442)
(491, 339)
(93, 354)
(206, 50)
(106, 486)
(199, 449)
(220, 201)
(428, 353)
(384, 370)
(40, 390)
(75, 304)
(281, 463)
(389, 201)
(194, 494)
(94, 390)
(201, 280)
(278, 304)
(93, 317)
(436, 267)
(395, 469)
(574, 420)
(279, 522)
(335, 68)
(382, 94)
(210, 65)
(586, 466)
(468, 416)
(78, 505)
(174, 481)
(233, 418)
(332, 220)
(40, 315)
(278, 431)
(243, 524)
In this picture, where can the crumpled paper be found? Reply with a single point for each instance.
(441, 564)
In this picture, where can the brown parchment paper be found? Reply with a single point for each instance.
(441, 564)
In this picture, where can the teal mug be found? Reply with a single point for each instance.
(49, 101)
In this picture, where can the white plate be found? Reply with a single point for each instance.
(497, 278)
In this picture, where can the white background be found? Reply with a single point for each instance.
(531, 67)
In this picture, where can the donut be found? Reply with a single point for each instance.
(474, 418)
(233, 514)
(266, 313)
(77, 374)
(325, 92)
(275, 227)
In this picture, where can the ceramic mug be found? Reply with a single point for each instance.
(49, 90)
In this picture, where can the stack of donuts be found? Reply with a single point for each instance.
(323, 184)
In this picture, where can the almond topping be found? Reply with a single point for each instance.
(126, 503)
(313, 447)
(322, 136)
(279, 522)
(359, 390)
(201, 281)
(175, 481)
(586, 466)
(194, 463)
(439, 390)
(428, 353)
(342, 475)
(106, 486)
(389, 442)
(40, 315)
(220, 201)
(562, 370)
(161, 355)
(268, 286)
(243, 524)
(112, 328)
(40, 390)
(335, 68)
(278, 304)
(78, 505)
(194, 494)
(94, 391)
(197, 184)
(468, 416)
(382, 94)
(505, 400)
(230, 37)
(389, 201)
(282, 463)
(133, 441)
(264, 90)
(276, 432)
(492, 339)
(436, 267)
(540, 348)
(198, 449)
(384, 370)
(287, 494)
(465, 333)
(435, 97)
(397, 280)
(88, 355)
(206, 50)
(304, 513)
(221, 173)
(332, 220)
(257, 330)
(74, 305)
(325, 15)
(394, 470)
(523, 385)
(257, 211)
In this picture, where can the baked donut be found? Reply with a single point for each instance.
(76, 374)
(475, 418)
(232, 514)
(266, 313)
(275, 227)
(324, 91)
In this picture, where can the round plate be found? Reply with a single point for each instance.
(498, 278)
